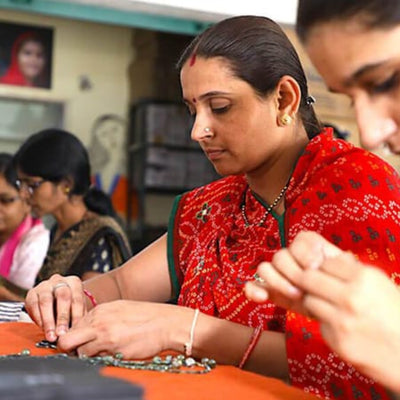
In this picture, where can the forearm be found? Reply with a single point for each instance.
(11, 292)
(144, 277)
(7, 295)
(227, 342)
(104, 288)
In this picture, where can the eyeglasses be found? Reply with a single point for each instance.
(5, 200)
(29, 186)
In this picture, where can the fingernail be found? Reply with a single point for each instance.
(294, 291)
(260, 294)
(51, 336)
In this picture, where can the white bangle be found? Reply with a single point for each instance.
(188, 345)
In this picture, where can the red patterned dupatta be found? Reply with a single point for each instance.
(346, 194)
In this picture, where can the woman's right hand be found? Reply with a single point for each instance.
(56, 304)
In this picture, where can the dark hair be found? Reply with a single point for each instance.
(7, 169)
(260, 53)
(371, 13)
(54, 155)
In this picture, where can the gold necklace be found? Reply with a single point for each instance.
(268, 210)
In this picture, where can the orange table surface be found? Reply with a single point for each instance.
(224, 382)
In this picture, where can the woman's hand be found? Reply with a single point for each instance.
(359, 310)
(55, 304)
(135, 329)
(358, 306)
(281, 281)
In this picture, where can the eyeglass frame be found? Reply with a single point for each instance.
(30, 187)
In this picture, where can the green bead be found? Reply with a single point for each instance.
(25, 352)
(157, 360)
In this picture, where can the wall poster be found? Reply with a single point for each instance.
(26, 55)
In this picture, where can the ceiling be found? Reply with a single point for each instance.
(283, 11)
(178, 16)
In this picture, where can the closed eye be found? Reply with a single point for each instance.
(220, 110)
(387, 85)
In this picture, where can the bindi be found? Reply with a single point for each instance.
(194, 100)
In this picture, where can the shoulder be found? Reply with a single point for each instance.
(325, 151)
(38, 235)
(231, 186)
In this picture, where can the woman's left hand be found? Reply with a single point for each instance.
(135, 329)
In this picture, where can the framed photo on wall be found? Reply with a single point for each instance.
(25, 55)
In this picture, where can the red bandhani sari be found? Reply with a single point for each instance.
(346, 194)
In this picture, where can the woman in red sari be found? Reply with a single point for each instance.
(243, 82)
(28, 62)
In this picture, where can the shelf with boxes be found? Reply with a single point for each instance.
(162, 158)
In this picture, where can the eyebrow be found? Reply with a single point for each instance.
(362, 71)
(208, 95)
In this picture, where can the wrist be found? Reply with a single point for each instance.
(90, 299)
(180, 328)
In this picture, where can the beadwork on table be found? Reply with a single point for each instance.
(178, 364)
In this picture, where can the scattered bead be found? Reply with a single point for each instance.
(174, 364)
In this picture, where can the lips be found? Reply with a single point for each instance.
(214, 154)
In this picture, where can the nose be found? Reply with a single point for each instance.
(24, 192)
(200, 132)
(374, 124)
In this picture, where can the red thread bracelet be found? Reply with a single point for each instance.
(90, 297)
(253, 341)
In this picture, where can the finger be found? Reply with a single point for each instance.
(320, 284)
(320, 309)
(343, 266)
(63, 299)
(255, 292)
(77, 339)
(46, 309)
(32, 307)
(275, 281)
(289, 269)
(309, 249)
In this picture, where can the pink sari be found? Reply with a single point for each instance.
(9, 247)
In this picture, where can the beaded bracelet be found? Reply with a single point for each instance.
(253, 341)
(188, 345)
(90, 297)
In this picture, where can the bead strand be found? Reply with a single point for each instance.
(267, 212)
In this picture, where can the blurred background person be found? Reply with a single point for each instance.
(23, 239)
(86, 240)
(28, 62)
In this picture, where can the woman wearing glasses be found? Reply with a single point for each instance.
(54, 172)
(23, 239)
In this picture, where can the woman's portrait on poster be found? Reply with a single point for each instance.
(26, 55)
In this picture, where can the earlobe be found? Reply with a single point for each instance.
(285, 120)
(288, 98)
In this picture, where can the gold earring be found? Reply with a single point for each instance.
(286, 119)
(67, 190)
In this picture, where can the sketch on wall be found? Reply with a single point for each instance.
(25, 55)
(107, 152)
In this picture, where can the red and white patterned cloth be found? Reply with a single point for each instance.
(348, 195)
